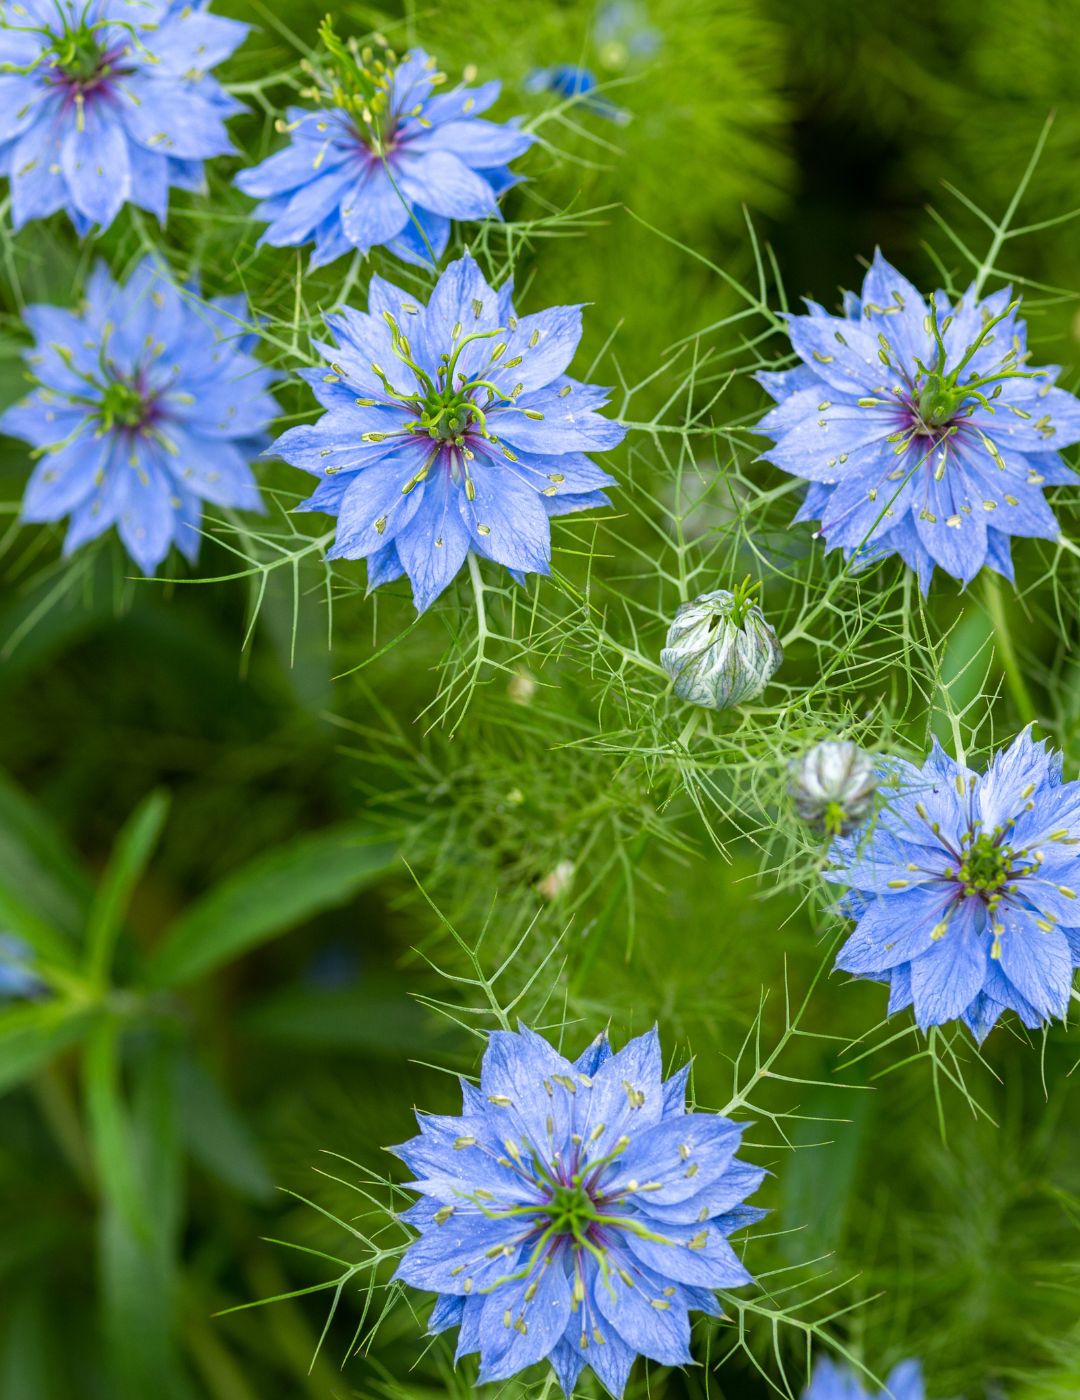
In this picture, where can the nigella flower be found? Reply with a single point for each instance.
(385, 159)
(575, 1211)
(18, 980)
(832, 1382)
(567, 80)
(450, 428)
(921, 427)
(110, 101)
(965, 888)
(147, 403)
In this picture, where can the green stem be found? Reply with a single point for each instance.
(1006, 651)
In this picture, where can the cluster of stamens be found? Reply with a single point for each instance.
(359, 80)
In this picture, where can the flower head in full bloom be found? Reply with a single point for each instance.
(832, 1382)
(147, 403)
(720, 649)
(966, 888)
(384, 159)
(103, 102)
(921, 426)
(450, 427)
(575, 1211)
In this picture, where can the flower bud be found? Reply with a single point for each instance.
(720, 650)
(832, 786)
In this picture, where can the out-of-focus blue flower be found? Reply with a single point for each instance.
(832, 1382)
(103, 102)
(18, 979)
(148, 402)
(449, 428)
(965, 888)
(575, 1211)
(386, 159)
(921, 427)
(622, 32)
(569, 81)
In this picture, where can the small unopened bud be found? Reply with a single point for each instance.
(556, 882)
(720, 650)
(522, 687)
(832, 786)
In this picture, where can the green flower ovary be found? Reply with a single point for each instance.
(78, 53)
(571, 1211)
(121, 405)
(941, 395)
(986, 865)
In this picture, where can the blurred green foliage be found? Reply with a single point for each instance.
(249, 869)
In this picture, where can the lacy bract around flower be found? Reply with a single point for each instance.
(921, 426)
(108, 101)
(450, 427)
(965, 888)
(148, 402)
(386, 158)
(575, 1211)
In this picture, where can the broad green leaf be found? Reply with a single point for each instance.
(43, 894)
(31, 1035)
(217, 1137)
(129, 858)
(270, 895)
(375, 1017)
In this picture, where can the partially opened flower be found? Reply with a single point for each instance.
(450, 428)
(110, 101)
(965, 888)
(384, 159)
(147, 403)
(833, 1382)
(574, 1211)
(922, 427)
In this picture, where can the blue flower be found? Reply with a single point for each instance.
(568, 81)
(921, 427)
(965, 888)
(386, 159)
(18, 981)
(575, 1212)
(832, 1382)
(148, 402)
(103, 102)
(450, 428)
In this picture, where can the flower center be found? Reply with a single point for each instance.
(79, 58)
(571, 1211)
(123, 405)
(986, 866)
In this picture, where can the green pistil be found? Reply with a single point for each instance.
(77, 53)
(121, 406)
(985, 867)
(942, 395)
(742, 600)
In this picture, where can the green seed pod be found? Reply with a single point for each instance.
(720, 650)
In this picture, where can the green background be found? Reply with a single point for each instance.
(248, 868)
